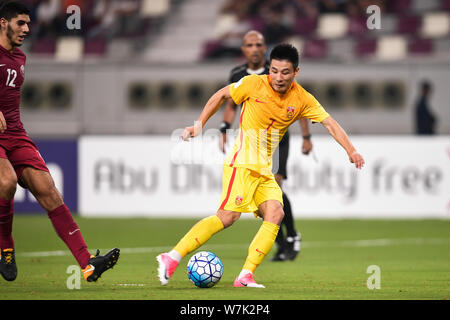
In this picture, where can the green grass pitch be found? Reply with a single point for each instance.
(413, 257)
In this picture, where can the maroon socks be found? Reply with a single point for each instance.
(68, 231)
(6, 221)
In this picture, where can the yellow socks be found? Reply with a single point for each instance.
(261, 245)
(201, 232)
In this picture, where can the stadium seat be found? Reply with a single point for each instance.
(408, 24)
(69, 49)
(332, 26)
(95, 47)
(398, 6)
(435, 25)
(357, 26)
(365, 47)
(305, 26)
(445, 5)
(391, 48)
(224, 23)
(44, 47)
(315, 48)
(419, 46)
(155, 8)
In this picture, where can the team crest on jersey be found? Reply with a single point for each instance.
(238, 200)
(22, 70)
(290, 112)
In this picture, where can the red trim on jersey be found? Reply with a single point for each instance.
(267, 129)
(230, 185)
(241, 137)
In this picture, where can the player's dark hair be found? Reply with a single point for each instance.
(11, 9)
(285, 51)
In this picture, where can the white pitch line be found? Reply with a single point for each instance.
(378, 242)
(305, 244)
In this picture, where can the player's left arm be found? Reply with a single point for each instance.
(211, 107)
(307, 144)
(342, 138)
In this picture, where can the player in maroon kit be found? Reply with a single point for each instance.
(20, 161)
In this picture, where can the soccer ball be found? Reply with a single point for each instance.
(204, 269)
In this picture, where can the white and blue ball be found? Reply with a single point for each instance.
(204, 269)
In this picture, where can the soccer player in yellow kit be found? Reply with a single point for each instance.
(270, 103)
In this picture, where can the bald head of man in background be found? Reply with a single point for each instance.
(254, 49)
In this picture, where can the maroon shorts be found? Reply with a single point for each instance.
(21, 152)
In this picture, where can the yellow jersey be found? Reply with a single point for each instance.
(265, 118)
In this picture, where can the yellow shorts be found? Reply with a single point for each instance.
(243, 190)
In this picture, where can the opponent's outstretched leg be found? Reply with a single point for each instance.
(42, 186)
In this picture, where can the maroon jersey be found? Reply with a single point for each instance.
(12, 75)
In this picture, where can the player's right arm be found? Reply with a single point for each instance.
(2, 123)
(238, 91)
(229, 115)
(342, 138)
(211, 107)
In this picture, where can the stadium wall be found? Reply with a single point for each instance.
(138, 98)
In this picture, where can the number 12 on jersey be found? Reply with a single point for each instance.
(12, 75)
